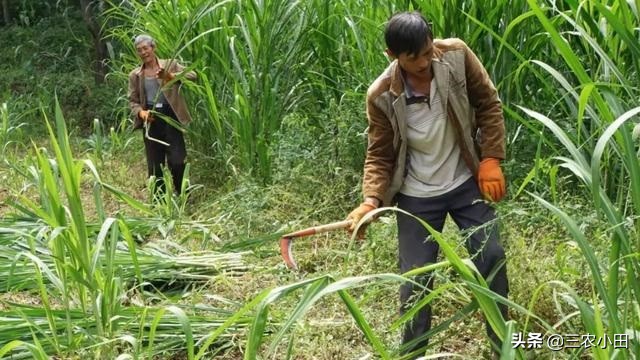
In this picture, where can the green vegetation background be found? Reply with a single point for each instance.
(260, 166)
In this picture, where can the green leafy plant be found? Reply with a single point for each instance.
(623, 235)
(84, 271)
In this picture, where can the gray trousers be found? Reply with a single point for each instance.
(417, 249)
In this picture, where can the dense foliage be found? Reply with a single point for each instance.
(38, 63)
(278, 141)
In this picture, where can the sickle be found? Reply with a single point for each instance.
(287, 240)
(146, 135)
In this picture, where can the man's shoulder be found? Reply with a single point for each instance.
(169, 64)
(450, 44)
(135, 71)
(382, 83)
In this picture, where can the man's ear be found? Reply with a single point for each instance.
(389, 53)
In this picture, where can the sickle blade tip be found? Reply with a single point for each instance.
(285, 252)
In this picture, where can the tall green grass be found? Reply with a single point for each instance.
(10, 130)
(84, 273)
(260, 62)
(264, 62)
(597, 79)
(614, 307)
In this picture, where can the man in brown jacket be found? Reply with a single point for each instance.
(154, 89)
(435, 142)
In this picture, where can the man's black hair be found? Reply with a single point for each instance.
(407, 32)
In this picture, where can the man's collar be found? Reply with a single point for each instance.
(161, 63)
(408, 90)
(397, 83)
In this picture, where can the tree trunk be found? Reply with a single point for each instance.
(89, 16)
(5, 12)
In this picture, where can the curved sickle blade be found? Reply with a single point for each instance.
(286, 241)
(285, 252)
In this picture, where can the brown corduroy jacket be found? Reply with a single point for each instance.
(137, 96)
(472, 106)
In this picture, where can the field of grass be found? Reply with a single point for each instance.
(241, 217)
(91, 267)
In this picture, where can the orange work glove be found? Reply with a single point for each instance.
(145, 116)
(356, 215)
(490, 179)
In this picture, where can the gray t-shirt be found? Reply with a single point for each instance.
(435, 164)
(151, 88)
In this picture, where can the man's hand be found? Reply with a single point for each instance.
(491, 180)
(164, 75)
(145, 116)
(356, 215)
